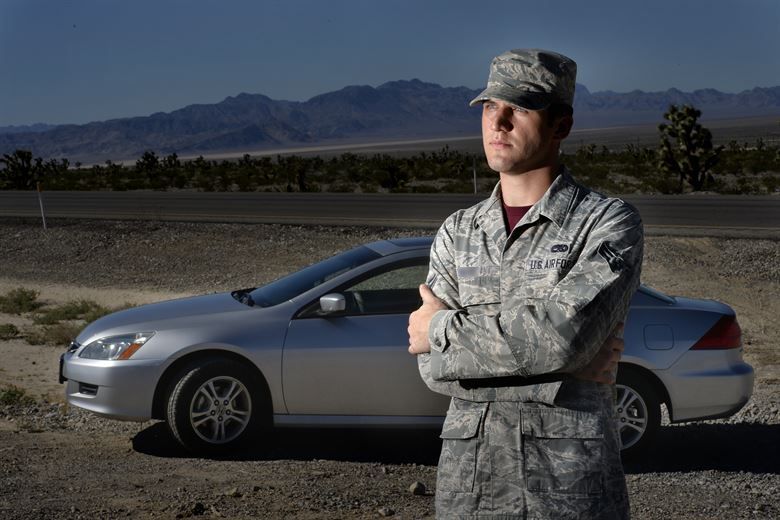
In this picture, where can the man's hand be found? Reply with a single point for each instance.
(420, 320)
(603, 367)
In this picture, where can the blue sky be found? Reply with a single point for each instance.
(77, 61)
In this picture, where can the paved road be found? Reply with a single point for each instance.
(702, 214)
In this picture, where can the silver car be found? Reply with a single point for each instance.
(326, 346)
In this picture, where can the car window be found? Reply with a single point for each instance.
(388, 290)
(299, 282)
(391, 292)
(409, 277)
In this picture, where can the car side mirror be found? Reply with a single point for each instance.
(333, 302)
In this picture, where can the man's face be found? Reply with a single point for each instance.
(516, 140)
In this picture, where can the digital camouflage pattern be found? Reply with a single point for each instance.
(530, 78)
(521, 438)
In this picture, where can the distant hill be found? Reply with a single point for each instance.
(398, 109)
(18, 129)
(604, 109)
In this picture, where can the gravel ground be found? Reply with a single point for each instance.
(57, 462)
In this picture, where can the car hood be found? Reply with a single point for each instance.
(147, 318)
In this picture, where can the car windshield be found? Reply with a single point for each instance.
(310, 277)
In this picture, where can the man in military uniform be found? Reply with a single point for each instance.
(525, 294)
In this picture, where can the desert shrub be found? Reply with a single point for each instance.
(59, 334)
(35, 336)
(8, 331)
(593, 164)
(74, 310)
(11, 395)
(771, 183)
(747, 185)
(99, 311)
(662, 183)
(341, 187)
(459, 186)
(367, 187)
(19, 300)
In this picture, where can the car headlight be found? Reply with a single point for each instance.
(115, 347)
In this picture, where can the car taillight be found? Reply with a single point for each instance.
(724, 334)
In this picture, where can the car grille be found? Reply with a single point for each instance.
(88, 389)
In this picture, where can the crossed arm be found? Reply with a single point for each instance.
(601, 369)
(573, 330)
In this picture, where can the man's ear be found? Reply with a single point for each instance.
(563, 127)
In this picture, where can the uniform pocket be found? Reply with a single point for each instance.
(563, 451)
(460, 441)
(478, 285)
(534, 288)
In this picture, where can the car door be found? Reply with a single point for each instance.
(355, 362)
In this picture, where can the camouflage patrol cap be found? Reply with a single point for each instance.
(530, 78)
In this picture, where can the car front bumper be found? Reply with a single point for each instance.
(708, 384)
(121, 390)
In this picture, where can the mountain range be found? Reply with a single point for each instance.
(406, 109)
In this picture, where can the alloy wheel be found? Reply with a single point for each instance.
(220, 410)
(632, 415)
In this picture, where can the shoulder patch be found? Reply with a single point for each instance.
(615, 261)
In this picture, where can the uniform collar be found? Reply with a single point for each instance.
(554, 205)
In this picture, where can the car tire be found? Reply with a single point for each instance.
(638, 410)
(216, 406)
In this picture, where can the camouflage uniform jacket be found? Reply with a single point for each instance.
(521, 438)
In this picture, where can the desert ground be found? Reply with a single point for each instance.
(60, 462)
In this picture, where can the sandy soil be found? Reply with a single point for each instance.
(35, 367)
(56, 463)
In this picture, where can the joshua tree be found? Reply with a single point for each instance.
(686, 147)
(20, 171)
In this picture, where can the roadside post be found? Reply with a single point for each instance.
(40, 203)
(474, 169)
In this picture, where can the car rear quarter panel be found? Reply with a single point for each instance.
(699, 384)
(657, 335)
(708, 384)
